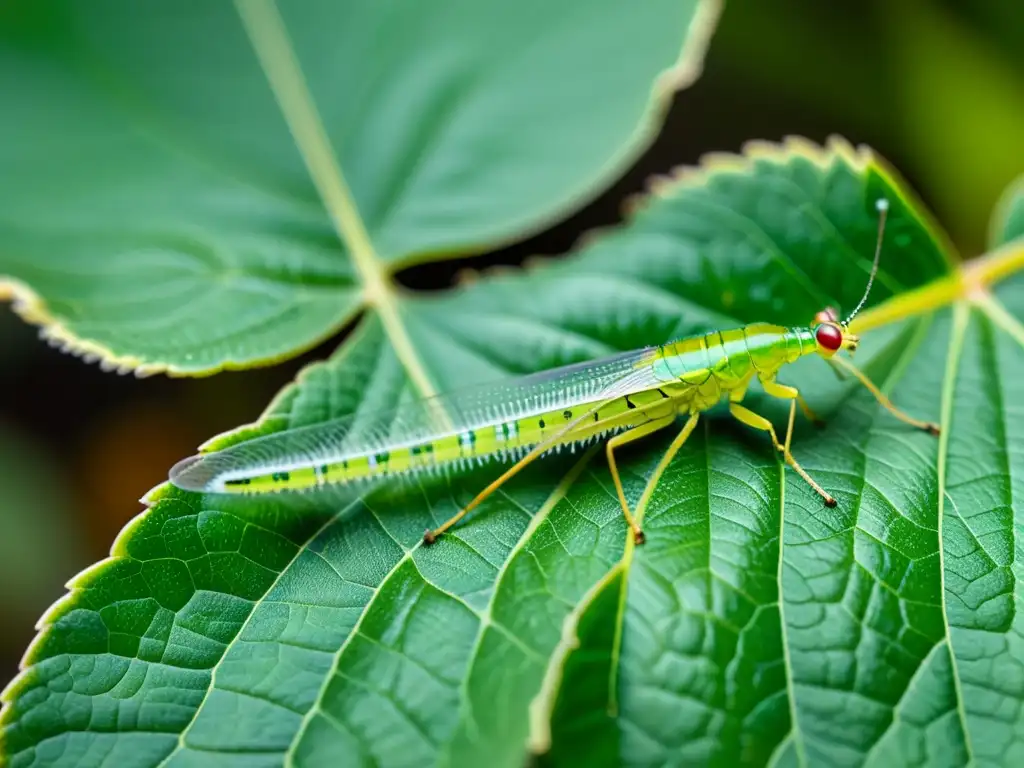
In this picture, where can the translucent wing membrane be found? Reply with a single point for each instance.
(417, 422)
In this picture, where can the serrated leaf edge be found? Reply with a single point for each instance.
(680, 76)
(711, 164)
(32, 308)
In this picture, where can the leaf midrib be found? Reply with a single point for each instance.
(269, 37)
(970, 281)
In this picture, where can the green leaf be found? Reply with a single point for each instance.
(181, 227)
(755, 626)
(1008, 221)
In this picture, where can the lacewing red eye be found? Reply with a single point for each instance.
(829, 337)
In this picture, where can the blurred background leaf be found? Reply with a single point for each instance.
(179, 225)
(1008, 218)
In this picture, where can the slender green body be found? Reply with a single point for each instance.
(634, 394)
(686, 376)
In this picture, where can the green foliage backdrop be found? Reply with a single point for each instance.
(755, 627)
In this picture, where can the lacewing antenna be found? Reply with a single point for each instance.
(882, 206)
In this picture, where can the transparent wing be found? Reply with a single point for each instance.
(417, 421)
